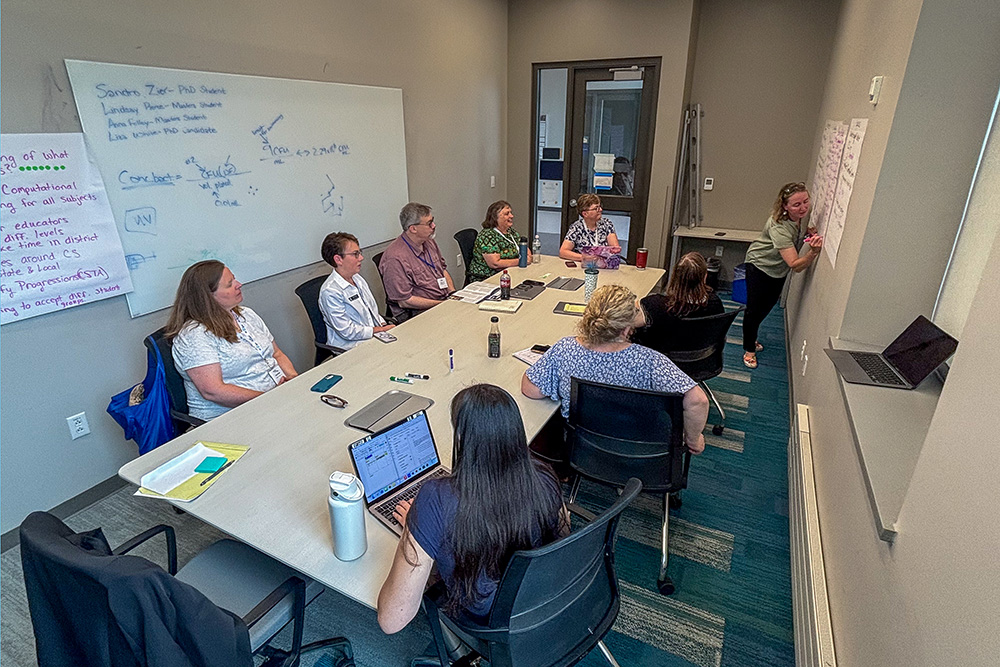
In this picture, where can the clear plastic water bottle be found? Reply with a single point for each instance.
(493, 345)
(505, 285)
(536, 250)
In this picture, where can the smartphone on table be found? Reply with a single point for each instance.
(327, 382)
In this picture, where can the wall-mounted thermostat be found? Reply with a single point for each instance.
(709, 183)
(875, 89)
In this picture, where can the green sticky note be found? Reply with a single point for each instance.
(211, 464)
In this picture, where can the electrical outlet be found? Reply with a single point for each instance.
(78, 426)
(805, 364)
(458, 259)
(719, 250)
(802, 352)
(493, 181)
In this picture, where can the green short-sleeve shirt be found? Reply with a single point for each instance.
(490, 241)
(765, 252)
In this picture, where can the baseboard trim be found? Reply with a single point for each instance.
(78, 502)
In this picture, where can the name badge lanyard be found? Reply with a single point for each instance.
(432, 265)
(376, 320)
(506, 238)
(245, 336)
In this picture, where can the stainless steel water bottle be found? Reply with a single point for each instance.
(347, 516)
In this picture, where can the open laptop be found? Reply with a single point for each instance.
(904, 364)
(393, 464)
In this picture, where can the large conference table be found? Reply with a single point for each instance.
(275, 497)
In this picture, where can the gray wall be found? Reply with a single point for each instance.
(448, 56)
(931, 598)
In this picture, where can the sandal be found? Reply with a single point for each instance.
(750, 360)
(759, 346)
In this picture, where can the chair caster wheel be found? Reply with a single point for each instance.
(718, 429)
(665, 586)
(675, 501)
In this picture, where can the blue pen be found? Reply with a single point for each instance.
(451, 360)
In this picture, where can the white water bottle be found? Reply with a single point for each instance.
(347, 516)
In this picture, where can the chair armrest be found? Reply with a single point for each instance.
(292, 586)
(331, 348)
(186, 418)
(580, 512)
(171, 537)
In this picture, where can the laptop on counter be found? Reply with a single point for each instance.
(394, 463)
(904, 364)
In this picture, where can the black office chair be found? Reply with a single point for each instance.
(308, 293)
(91, 605)
(616, 433)
(466, 239)
(395, 316)
(175, 383)
(695, 345)
(553, 604)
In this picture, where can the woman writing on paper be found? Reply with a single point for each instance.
(223, 350)
(772, 256)
(601, 352)
(590, 230)
(498, 245)
(496, 501)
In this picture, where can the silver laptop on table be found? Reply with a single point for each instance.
(904, 364)
(394, 463)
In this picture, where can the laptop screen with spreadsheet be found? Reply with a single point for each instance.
(394, 456)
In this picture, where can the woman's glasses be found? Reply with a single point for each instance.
(356, 254)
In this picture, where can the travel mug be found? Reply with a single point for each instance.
(522, 257)
(640, 258)
(589, 282)
(347, 516)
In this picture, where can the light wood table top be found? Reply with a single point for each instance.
(275, 497)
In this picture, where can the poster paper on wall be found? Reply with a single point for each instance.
(60, 247)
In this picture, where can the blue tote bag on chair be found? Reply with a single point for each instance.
(148, 421)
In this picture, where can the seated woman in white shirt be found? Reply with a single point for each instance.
(347, 304)
(224, 351)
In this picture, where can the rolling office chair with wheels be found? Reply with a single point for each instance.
(406, 313)
(308, 293)
(695, 345)
(175, 383)
(466, 239)
(91, 605)
(616, 433)
(553, 604)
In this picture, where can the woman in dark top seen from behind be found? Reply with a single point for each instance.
(496, 501)
(687, 295)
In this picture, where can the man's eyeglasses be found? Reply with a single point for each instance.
(429, 223)
(356, 254)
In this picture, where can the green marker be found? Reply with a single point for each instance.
(401, 380)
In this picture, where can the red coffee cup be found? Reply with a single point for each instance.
(640, 258)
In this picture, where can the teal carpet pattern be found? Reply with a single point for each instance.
(729, 549)
(729, 542)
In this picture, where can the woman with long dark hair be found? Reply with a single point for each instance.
(772, 256)
(687, 295)
(498, 500)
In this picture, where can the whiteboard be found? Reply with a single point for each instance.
(249, 170)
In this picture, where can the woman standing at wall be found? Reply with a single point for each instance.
(772, 256)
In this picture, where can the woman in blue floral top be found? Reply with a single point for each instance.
(497, 246)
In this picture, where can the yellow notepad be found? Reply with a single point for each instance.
(176, 478)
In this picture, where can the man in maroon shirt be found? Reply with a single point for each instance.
(413, 269)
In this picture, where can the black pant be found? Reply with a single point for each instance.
(763, 292)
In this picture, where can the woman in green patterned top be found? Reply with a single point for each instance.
(497, 246)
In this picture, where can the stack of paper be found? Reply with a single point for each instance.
(177, 480)
(508, 306)
(474, 292)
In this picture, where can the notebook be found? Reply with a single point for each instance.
(904, 364)
(506, 306)
(566, 283)
(394, 463)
